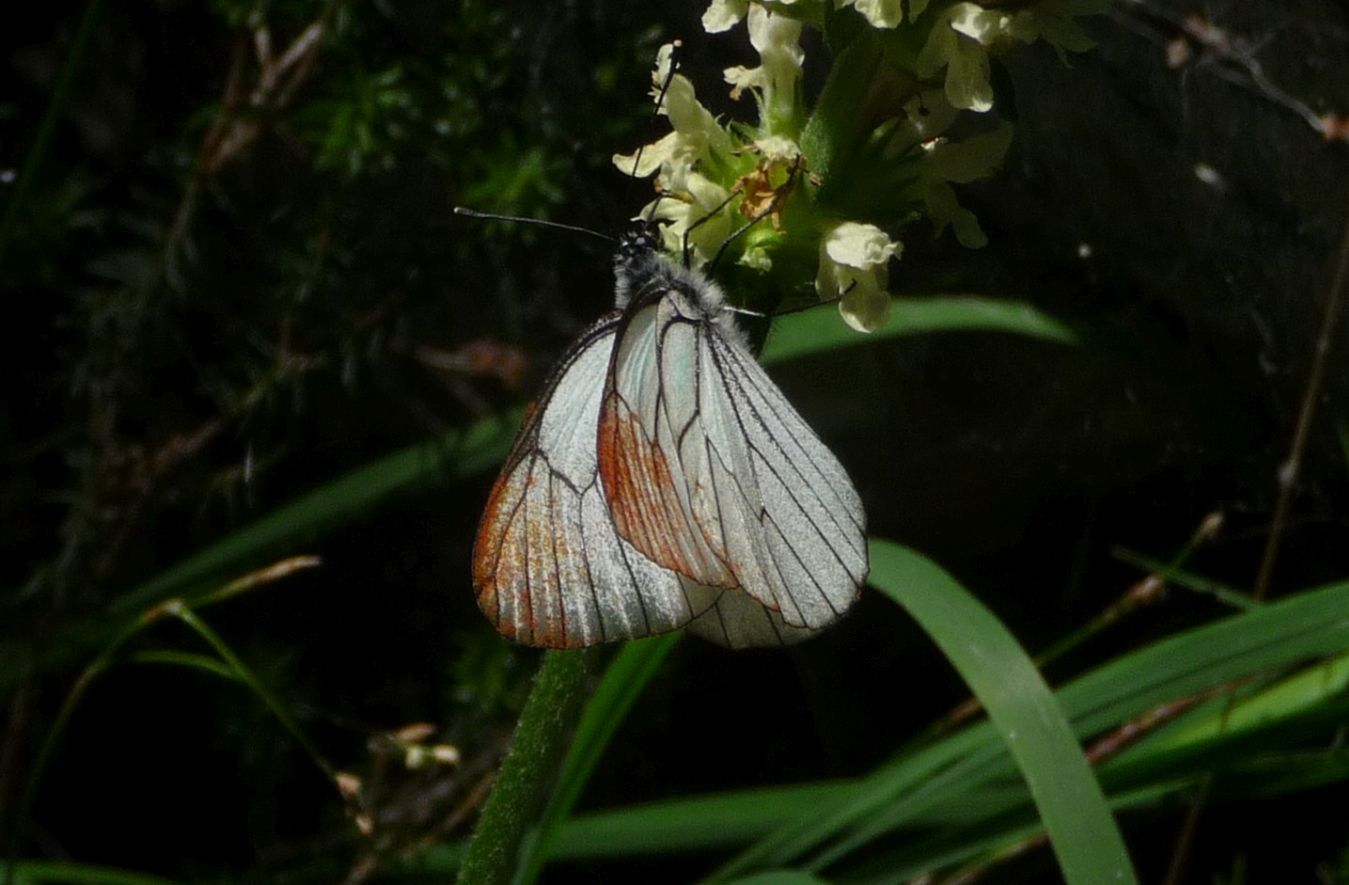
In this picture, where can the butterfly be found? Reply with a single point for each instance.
(661, 481)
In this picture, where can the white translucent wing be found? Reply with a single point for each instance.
(738, 620)
(777, 515)
(767, 469)
(649, 407)
(548, 567)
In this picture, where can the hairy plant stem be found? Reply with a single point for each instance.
(542, 735)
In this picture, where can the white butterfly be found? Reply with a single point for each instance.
(663, 481)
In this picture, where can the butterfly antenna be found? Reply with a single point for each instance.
(492, 216)
(701, 221)
(813, 304)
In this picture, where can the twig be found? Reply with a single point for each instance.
(1234, 59)
(1289, 469)
(1185, 840)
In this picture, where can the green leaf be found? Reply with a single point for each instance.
(39, 872)
(698, 823)
(820, 329)
(780, 877)
(1024, 712)
(861, 90)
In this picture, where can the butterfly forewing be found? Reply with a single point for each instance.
(770, 502)
(549, 568)
(648, 407)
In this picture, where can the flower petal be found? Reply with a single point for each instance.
(861, 246)
(881, 13)
(722, 15)
(865, 307)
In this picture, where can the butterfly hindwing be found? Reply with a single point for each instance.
(810, 547)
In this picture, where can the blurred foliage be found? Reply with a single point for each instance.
(199, 290)
(222, 307)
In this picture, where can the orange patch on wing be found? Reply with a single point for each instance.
(501, 567)
(490, 542)
(644, 501)
(499, 563)
(552, 632)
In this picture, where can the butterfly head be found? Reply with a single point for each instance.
(638, 243)
(637, 259)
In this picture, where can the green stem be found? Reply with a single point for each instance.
(624, 680)
(561, 688)
(240, 669)
(13, 838)
(10, 842)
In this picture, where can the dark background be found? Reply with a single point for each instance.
(222, 293)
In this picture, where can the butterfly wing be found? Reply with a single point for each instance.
(777, 515)
(737, 620)
(649, 407)
(810, 559)
(548, 566)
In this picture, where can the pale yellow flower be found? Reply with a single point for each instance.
(778, 41)
(854, 267)
(722, 15)
(695, 136)
(879, 13)
(699, 201)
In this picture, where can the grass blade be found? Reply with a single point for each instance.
(457, 455)
(780, 877)
(698, 823)
(1025, 713)
(922, 788)
(1304, 626)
